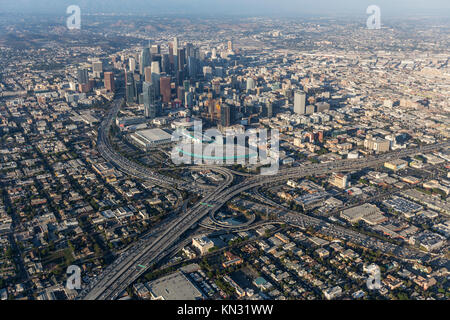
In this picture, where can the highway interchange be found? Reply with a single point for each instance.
(157, 245)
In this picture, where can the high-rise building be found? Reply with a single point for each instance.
(175, 53)
(145, 60)
(377, 144)
(156, 75)
(180, 76)
(211, 106)
(207, 72)
(215, 84)
(180, 93)
(189, 50)
(157, 57)
(198, 54)
(132, 64)
(192, 67)
(225, 115)
(138, 83)
(155, 67)
(218, 71)
(268, 109)
(310, 109)
(165, 63)
(109, 81)
(148, 74)
(130, 88)
(230, 45)
(300, 102)
(339, 180)
(149, 97)
(251, 84)
(82, 76)
(235, 84)
(155, 49)
(188, 99)
(97, 69)
(186, 85)
(129, 92)
(171, 57)
(165, 89)
(83, 87)
(181, 59)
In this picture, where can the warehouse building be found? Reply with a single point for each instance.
(176, 286)
(396, 164)
(150, 138)
(367, 212)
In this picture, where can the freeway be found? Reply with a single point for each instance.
(132, 168)
(304, 221)
(319, 169)
(123, 164)
(120, 274)
(151, 250)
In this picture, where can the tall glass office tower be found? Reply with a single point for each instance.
(300, 102)
(175, 53)
(149, 94)
(146, 60)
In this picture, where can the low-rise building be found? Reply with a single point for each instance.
(202, 243)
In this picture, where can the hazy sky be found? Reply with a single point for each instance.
(244, 7)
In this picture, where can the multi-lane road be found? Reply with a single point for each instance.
(145, 252)
(153, 248)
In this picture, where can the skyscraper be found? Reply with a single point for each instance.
(181, 59)
(148, 74)
(97, 68)
(155, 67)
(175, 53)
(186, 85)
(157, 57)
(165, 89)
(171, 57)
(145, 60)
(109, 81)
(165, 63)
(189, 50)
(179, 77)
(130, 88)
(155, 49)
(230, 45)
(156, 75)
(193, 67)
(149, 95)
(180, 93)
(268, 109)
(215, 84)
(188, 99)
(226, 116)
(82, 76)
(250, 84)
(132, 64)
(300, 102)
(138, 83)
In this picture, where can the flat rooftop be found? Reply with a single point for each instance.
(175, 286)
(154, 135)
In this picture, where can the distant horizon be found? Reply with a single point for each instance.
(239, 8)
